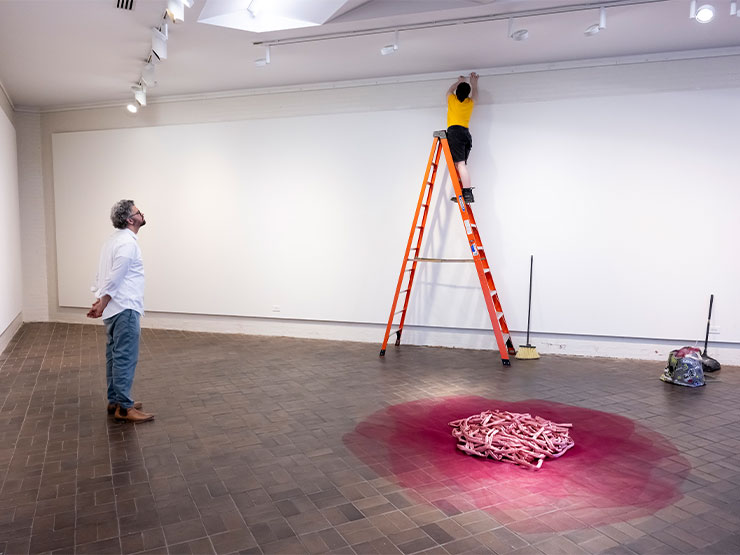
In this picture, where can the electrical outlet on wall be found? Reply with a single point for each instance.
(714, 330)
(276, 308)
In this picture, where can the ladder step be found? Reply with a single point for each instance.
(499, 315)
(417, 259)
(399, 311)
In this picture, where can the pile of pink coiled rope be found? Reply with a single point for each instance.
(512, 437)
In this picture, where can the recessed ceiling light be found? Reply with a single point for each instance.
(705, 13)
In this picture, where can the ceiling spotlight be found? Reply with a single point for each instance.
(262, 62)
(131, 107)
(520, 34)
(176, 11)
(147, 74)
(390, 48)
(733, 8)
(704, 14)
(139, 94)
(596, 27)
(253, 8)
(159, 42)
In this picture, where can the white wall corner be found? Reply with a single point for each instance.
(5, 103)
(7, 335)
(33, 218)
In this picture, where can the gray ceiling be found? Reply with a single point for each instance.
(56, 54)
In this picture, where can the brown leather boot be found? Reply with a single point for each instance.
(113, 406)
(132, 415)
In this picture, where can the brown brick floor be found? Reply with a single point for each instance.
(247, 451)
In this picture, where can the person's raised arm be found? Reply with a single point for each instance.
(474, 86)
(454, 85)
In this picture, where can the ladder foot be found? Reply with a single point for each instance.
(382, 352)
(506, 362)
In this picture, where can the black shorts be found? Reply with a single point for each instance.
(460, 141)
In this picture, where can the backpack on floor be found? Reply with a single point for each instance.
(684, 368)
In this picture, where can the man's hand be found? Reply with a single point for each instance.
(97, 309)
(473, 76)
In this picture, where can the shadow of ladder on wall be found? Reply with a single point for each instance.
(496, 313)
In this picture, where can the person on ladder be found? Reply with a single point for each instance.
(461, 97)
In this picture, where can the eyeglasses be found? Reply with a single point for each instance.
(137, 213)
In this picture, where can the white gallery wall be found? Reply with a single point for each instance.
(268, 213)
(11, 287)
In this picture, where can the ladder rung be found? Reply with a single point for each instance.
(404, 291)
(441, 259)
(398, 311)
(499, 315)
(425, 205)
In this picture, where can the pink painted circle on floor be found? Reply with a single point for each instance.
(618, 469)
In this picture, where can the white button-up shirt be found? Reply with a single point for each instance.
(121, 274)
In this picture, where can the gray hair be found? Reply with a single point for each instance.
(121, 212)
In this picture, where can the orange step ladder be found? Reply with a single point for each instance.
(408, 267)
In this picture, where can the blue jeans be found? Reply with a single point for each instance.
(121, 356)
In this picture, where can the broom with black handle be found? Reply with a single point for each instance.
(708, 363)
(528, 352)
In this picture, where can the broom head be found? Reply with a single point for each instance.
(527, 352)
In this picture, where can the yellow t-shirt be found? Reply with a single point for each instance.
(458, 113)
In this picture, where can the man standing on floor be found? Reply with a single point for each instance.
(461, 97)
(120, 301)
